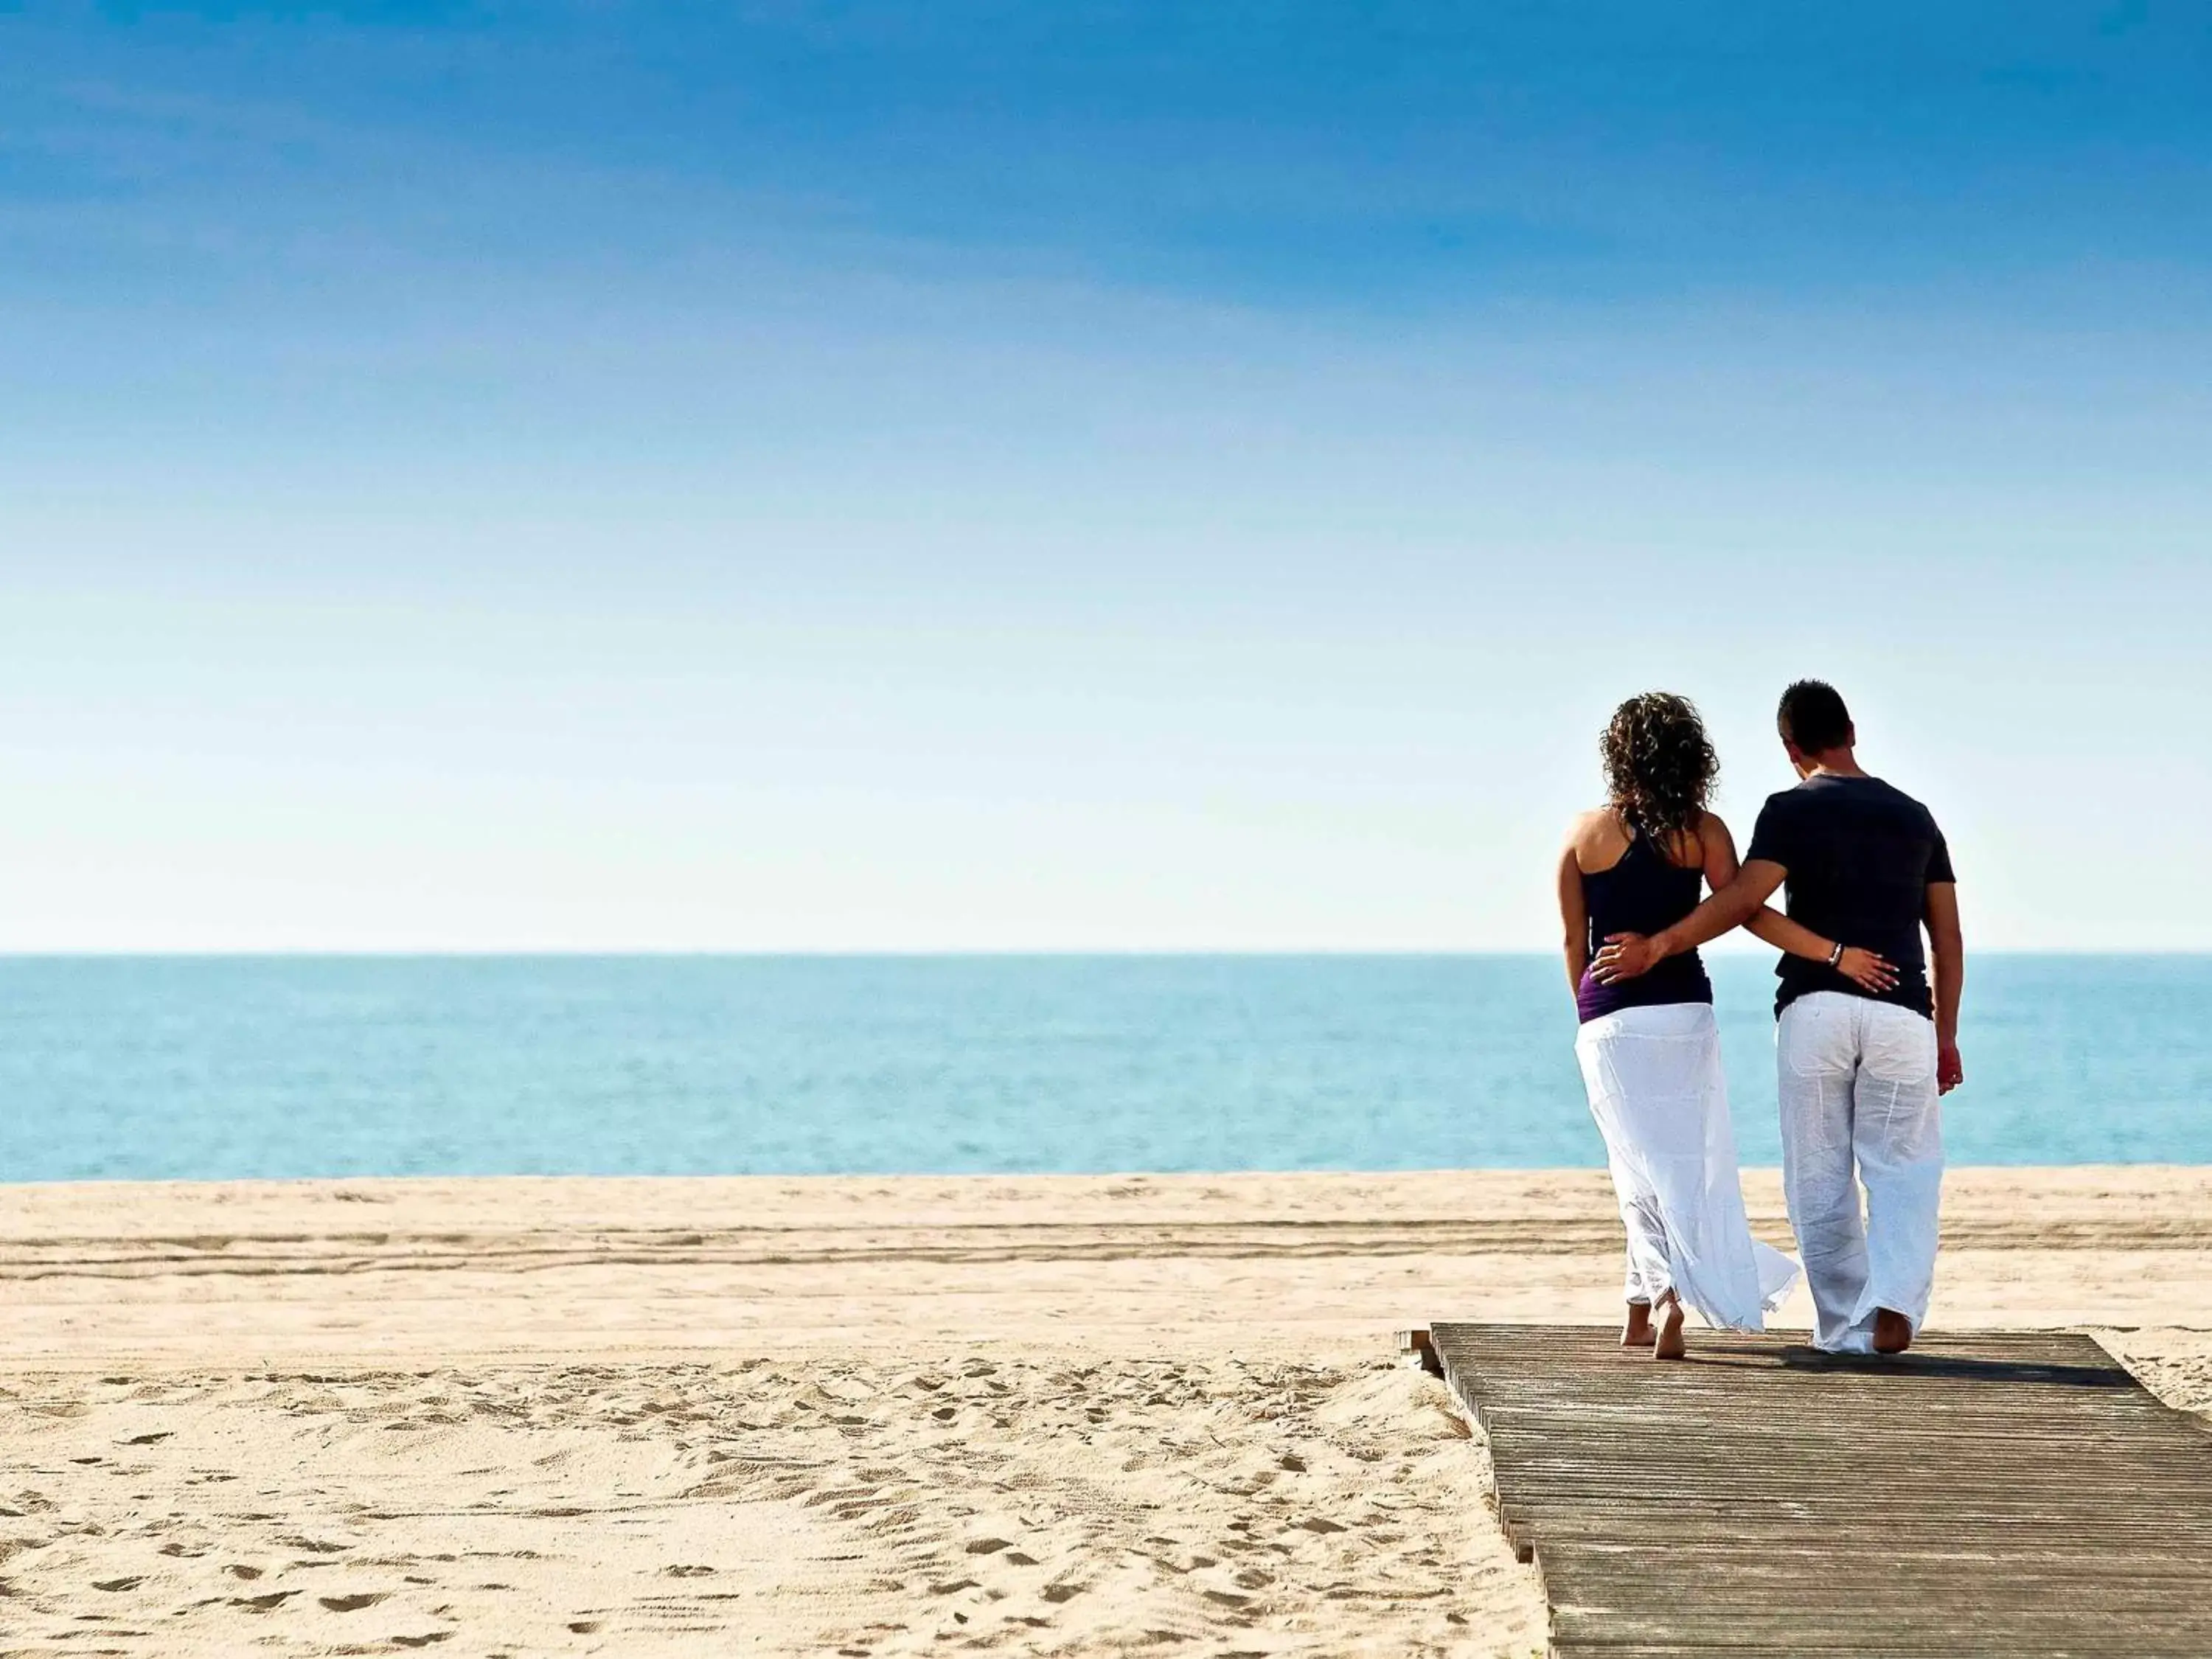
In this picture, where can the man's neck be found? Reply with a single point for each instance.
(1836, 763)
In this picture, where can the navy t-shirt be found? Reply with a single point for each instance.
(1860, 856)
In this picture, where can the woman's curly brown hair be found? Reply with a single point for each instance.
(1660, 767)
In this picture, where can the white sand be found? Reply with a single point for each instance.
(851, 1416)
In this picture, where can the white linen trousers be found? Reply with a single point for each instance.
(1857, 1082)
(1661, 1101)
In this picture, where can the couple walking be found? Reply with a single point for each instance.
(1864, 1046)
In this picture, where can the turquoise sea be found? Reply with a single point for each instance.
(234, 1067)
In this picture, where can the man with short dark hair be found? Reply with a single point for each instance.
(1860, 1071)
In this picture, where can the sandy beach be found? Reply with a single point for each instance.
(855, 1416)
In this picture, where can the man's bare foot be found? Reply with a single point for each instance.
(1668, 1344)
(1892, 1331)
(1636, 1332)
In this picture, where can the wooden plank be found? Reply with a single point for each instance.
(1415, 1348)
(2007, 1493)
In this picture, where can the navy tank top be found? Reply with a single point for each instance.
(1643, 893)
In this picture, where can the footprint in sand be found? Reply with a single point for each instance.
(315, 1545)
(351, 1603)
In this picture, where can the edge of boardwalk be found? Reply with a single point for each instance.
(1921, 1484)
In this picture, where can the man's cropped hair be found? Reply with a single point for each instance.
(1813, 717)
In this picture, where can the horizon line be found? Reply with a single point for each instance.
(403, 953)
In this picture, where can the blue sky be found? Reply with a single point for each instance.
(988, 476)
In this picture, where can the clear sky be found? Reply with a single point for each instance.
(765, 476)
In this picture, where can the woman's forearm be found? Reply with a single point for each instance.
(1783, 934)
(1732, 907)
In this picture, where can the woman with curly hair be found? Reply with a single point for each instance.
(1649, 1048)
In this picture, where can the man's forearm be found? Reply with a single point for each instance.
(1946, 954)
(1950, 980)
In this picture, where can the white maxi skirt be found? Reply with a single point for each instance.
(1661, 1101)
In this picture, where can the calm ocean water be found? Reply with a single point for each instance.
(608, 1066)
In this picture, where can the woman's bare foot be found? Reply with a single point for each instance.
(1892, 1331)
(1669, 1344)
(1636, 1332)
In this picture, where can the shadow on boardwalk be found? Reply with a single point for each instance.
(1949, 1367)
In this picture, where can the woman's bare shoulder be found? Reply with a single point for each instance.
(1596, 838)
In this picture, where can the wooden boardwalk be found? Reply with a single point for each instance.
(2001, 1494)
